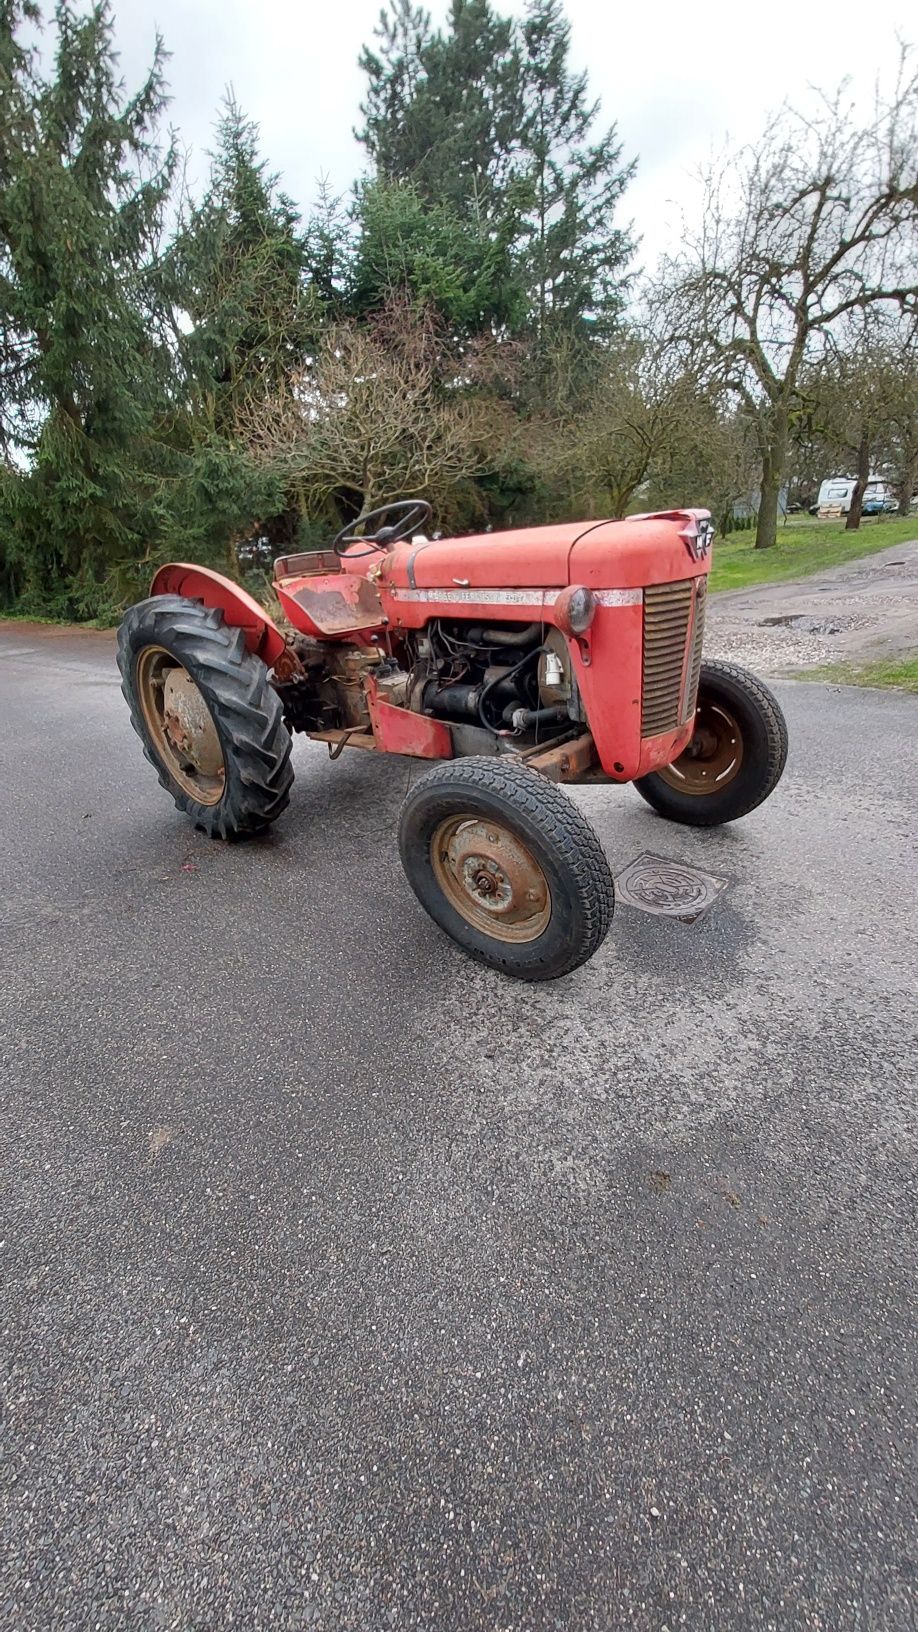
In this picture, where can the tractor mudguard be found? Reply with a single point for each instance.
(240, 609)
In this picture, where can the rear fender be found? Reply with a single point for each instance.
(240, 609)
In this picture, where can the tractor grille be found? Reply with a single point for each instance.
(670, 683)
(694, 664)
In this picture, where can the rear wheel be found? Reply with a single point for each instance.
(208, 718)
(735, 758)
(508, 865)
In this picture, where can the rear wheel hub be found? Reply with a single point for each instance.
(181, 725)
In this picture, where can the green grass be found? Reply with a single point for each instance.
(891, 673)
(103, 624)
(805, 545)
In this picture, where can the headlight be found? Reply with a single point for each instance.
(575, 609)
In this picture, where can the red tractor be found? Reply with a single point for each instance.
(514, 662)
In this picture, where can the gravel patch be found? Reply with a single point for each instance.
(776, 629)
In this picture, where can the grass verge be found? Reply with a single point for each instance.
(103, 624)
(806, 546)
(890, 674)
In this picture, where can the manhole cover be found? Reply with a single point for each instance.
(671, 889)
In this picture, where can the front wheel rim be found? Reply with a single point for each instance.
(180, 725)
(713, 758)
(490, 878)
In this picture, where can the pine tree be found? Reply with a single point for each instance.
(442, 218)
(576, 257)
(443, 109)
(241, 258)
(473, 93)
(490, 122)
(84, 311)
(250, 316)
(393, 133)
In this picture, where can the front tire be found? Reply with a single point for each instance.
(735, 758)
(209, 720)
(507, 865)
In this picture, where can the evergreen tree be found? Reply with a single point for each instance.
(250, 317)
(86, 371)
(491, 123)
(454, 265)
(443, 109)
(473, 90)
(395, 72)
(241, 259)
(328, 250)
(576, 256)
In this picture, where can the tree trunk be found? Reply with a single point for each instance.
(860, 486)
(774, 463)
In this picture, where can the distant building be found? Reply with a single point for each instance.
(749, 505)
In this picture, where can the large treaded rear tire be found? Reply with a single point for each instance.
(244, 707)
(761, 722)
(555, 833)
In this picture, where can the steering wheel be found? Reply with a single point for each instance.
(413, 513)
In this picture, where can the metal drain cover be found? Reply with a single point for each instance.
(671, 889)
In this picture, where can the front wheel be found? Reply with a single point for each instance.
(507, 865)
(735, 758)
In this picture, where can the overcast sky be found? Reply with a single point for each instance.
(678, 78)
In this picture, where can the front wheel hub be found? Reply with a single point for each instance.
(713, 756)
(491, 878)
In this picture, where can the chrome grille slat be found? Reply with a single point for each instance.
(667, 617)
(694, 669)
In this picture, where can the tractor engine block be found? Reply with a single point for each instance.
(502, 677)
(499, 678)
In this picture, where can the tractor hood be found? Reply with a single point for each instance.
(529, 557)
(604, 554)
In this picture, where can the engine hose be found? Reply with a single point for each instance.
(500, 680)
(524, 719)
(511, 637)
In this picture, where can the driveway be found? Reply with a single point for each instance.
(348, 1286)
(855, 613)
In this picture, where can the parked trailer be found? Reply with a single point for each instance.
(836, 493)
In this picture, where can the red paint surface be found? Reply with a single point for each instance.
(401, 732)
(239, 609)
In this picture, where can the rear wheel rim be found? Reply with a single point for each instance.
(490, 878)
(180, 725)
(714, 756)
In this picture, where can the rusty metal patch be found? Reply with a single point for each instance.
(669, 889)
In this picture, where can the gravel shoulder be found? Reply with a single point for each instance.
(855, 613)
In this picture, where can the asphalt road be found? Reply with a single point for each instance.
(347, 1286)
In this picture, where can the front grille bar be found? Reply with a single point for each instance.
(673, 638)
